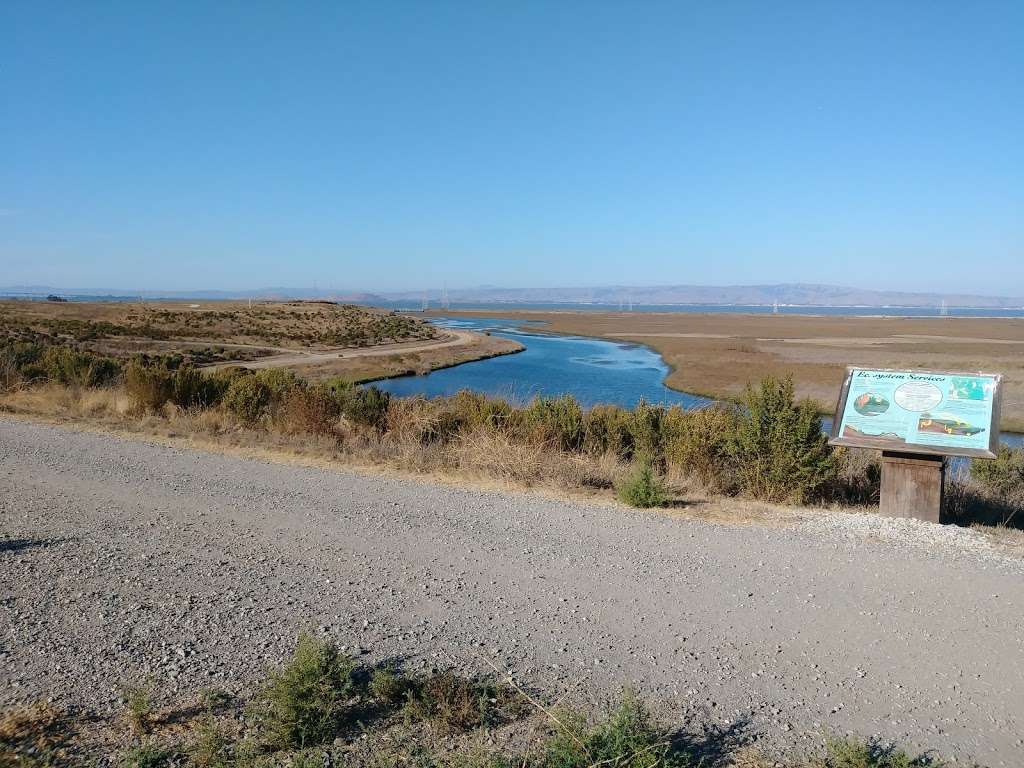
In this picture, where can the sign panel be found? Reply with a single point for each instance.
(919, 412)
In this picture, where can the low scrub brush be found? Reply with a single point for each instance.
(627, 738)
(304, 703)
(643, 488)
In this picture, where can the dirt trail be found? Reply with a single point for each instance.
(122, 558)
(291, 357)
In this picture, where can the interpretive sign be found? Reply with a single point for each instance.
(951, 414)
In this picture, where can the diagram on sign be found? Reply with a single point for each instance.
(907, 408)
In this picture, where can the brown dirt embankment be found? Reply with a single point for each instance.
(716, 354)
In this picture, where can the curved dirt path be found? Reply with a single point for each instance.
(122, 558)
(288, 357)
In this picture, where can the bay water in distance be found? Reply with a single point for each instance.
(594, 371)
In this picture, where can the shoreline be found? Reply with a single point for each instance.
(442, 366)
(561, 323)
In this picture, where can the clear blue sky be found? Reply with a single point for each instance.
(401, 145)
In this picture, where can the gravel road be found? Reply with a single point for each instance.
(121, 558)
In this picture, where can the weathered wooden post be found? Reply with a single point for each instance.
(917, 418)
(912, 486)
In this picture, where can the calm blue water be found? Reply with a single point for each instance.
(591, 370)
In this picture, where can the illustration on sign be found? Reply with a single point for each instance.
(945, 412)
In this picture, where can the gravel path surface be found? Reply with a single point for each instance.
(121, 558)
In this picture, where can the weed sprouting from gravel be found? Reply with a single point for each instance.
(448, 721)
(147, 756)
(860, 753)
(137, 699)
(304, 703)
(390, 687)
(627, 738)
(212, 746)
(453, 702)
(643, 488)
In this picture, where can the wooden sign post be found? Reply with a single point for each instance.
(917, 419)
(912, 486)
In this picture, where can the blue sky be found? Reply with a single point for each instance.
(394, 145)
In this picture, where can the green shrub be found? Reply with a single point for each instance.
(781, 452)
(606, 429)
(212, 746)
(279, 381)
(370, 407)
(304, 703)
(146, 756)
(137, 700)
(642, 488)
(247, 398)
(1004, 475)
(365, 406)
(64, 365)
(858, 753)
(475, 410)
(195, 389)
(456, 703)
(148, 388)
(627, 738)
(645, 432)
(390, 687)
(698, 444)
(558, 420)
(25, 354)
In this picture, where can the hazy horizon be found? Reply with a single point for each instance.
(570, 294)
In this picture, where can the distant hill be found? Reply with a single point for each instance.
(792, 294)
(41, 291)
(798, 294)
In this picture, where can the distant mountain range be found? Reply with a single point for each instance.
(794, 294)
(791, 294)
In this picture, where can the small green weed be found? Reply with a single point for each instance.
(460, 703)
(137, 699)
(304, 703)
(860, 753)
(627, 738)
(390, 687)
(147, 756)
(642, 488)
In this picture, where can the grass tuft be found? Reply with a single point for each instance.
(457, 703)
(304, 703)
(626, 738)
(147, 756)
(390, 687)
(643, 488)
(861, 753)
(137, 699)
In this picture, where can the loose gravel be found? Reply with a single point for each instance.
(122, 559)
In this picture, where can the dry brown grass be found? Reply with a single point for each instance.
(480, 458)
(293, 324)
(716, 354)
(38, 730)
